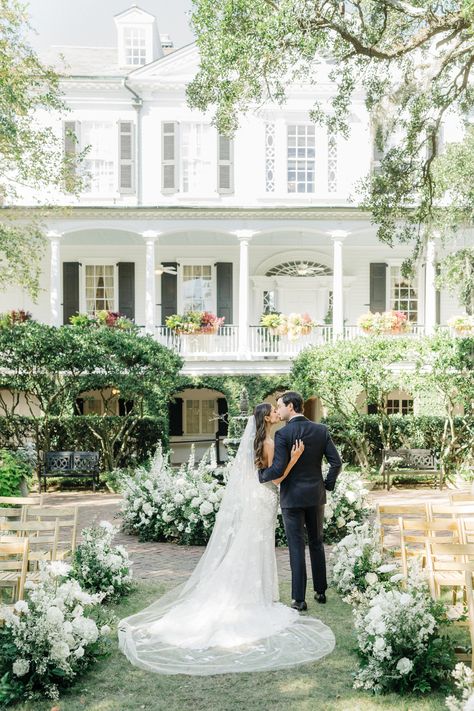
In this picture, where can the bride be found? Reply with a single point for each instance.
(226, 617)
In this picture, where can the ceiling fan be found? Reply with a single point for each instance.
(161, 269)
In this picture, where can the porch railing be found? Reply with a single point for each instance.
(262, 343)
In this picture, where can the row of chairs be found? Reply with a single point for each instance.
(29, 533)
(442, 536)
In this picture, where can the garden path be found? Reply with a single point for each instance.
(169, 562)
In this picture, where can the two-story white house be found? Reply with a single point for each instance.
(174, 217)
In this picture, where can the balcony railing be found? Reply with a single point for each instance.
(262, 344)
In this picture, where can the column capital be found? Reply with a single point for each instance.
(338, 235)
(54, 235)
(244, 235)
(150, 236)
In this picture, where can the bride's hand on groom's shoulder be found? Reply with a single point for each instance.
(297, 449)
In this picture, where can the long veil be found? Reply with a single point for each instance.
(225, 617)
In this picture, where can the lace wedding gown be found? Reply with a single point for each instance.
(226, 617)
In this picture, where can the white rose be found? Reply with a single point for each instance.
(404, 665)
(340, 522)
(60, 651)
(350, 497)
(371, 578)
(379, 644)
(21, 606)
(55, 616)
(387, 568)
(206, 508)
(166, 517)
(21, 667)
(105, 630)
(79, 652)
(178, 499)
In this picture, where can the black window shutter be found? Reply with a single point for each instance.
(378, 287)
(438, 299)
(222, 411)
(224, 291)
(169, 293)
(70, 290)
(79, 406)
(176, 417)
(126, 289)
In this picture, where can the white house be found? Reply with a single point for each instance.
(175, 217)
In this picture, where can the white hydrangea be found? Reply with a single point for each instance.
(404, 665)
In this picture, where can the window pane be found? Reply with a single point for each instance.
(197, 288)
(99, 289)
(300, 144)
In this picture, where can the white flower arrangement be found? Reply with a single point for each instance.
(347, 504)
(359, 568)
(464, 681)
(101, 567)
(161, 503)
(50, 637)
(400, 640)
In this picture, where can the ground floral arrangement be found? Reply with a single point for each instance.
(101, 567)
(61, 627)
(51, 637)
(164, 504)
(401, 631)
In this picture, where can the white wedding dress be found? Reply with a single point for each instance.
(226, 617)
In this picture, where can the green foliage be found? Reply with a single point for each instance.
(457, 276)
(14, 469)
(47, 369)
(32, 153)
(413, 61)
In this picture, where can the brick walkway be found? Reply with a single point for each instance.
(172, 563)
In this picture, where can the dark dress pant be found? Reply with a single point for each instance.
(296, 520)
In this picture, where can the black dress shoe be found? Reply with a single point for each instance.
(320, 597)
(300, 606)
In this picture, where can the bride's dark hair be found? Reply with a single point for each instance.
(261, 411)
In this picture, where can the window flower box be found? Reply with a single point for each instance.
(293, 326)
(462, 325)
(384, 324)
(195, 323)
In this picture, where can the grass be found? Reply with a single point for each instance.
(114, 685)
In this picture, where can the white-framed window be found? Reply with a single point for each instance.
(301, 158)
(135, 46)
(200, 416)
(100, 164)
(403, 294)
(400, 406)
(197, 287)
(197, 153)
(100, 286)
(269, 301)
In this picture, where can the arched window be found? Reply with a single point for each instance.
(299, 269)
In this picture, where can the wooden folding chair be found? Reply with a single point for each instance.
(67, 518)
(446, 563)
(388, 515)
(456, 510)
(43, 541)
(21, 500)
(461, 497)
(414, 534)
(14, 564)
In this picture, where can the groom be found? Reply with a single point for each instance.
(303, 493)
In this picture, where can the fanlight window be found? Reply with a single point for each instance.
(299, 269)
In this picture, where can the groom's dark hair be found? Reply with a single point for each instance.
(295, 399)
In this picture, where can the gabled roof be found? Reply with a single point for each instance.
(133, 12)
(182, 63)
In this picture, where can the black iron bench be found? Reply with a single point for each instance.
(70, 464)
(417, 463)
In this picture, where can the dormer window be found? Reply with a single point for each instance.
(138, 40)
(135, 46)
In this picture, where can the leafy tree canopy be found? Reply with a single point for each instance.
(412, 59)
(31, 154)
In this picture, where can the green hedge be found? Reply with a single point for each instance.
(73, 433)
(411, 431)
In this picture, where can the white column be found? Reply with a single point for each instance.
(338, 237)
(430, 288)
(55, 277)
(150, 237)
(244, 237)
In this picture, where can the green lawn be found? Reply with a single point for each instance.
(114, 685)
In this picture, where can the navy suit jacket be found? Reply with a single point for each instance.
(304, 486)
